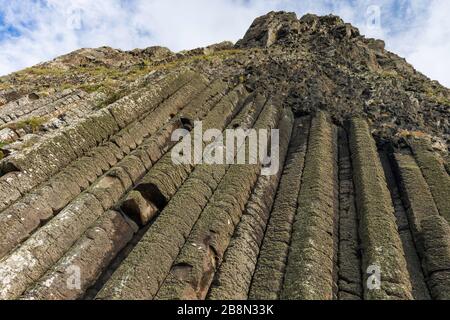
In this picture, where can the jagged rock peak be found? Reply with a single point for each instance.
(276, 27)
(267, 29)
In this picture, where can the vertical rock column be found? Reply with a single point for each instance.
(436, 235)
(29, 262)
(268, 277)
(435, 174)
(194, 269)
(416, 276)
(96, 246)
(430, 231)
(416, 195)
(311, 268)
(350, 282)
(380, 241)
(143, 271)
(166, 176)
(25, 216)
(236, 271)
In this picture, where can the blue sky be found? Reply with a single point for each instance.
(32, 31)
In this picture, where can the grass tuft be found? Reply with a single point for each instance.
(32, 124)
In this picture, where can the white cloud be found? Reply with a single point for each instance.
(426, 45)
(61, 26)
(418, 30)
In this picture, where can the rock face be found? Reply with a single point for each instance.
(92, 205)
(270, 29)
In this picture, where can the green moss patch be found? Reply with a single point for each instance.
(33, 124)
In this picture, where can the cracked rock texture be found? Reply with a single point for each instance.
(93, 207)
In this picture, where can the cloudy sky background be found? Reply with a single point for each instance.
(32, 31)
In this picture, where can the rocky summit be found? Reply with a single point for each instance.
(92, 205)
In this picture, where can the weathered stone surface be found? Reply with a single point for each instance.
(45, 247)
(413, 262)
(91, 132)
(108, 190)
(166, 177)
(233, 279)
(268, 277)
(193, 270)
(134, 134)
(435, 174)
(7, 135)
(8, 193)
(133, 166)
(266, 30)
(310, 269)
(17, 225)
(349, 274)
(436, 238)
(87, 258)
(32, 104)
(381, 244)
(56, 151)
(416, 195)
(165, 238)
(138, 208)
(128, 109)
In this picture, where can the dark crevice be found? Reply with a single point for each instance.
(187, 123)
(152, 194)
(6, 153)
(139, 210)
(92, 292)
(8, 167)
(33, 96)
